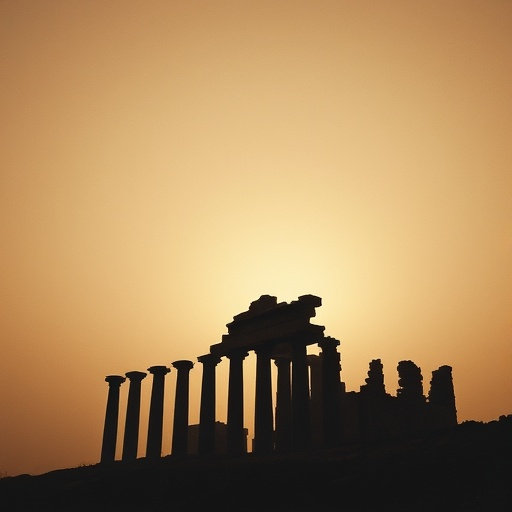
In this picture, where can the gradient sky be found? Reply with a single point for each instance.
(165, 163)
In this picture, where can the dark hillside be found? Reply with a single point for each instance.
(468, 468)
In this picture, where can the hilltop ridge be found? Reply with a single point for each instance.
(468, 468)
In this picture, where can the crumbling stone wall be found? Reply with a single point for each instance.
(381, 416)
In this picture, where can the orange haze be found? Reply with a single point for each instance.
(165, 163)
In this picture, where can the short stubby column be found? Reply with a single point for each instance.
(207, 411)
(284, 404)
(180, 425)
(331, 392)
(156, 412)
(131, 429)
(301, 427)
(235, 427)
(108, 447)
(263, 416)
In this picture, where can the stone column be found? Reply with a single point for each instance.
(207, 412)
(235, 427)
(131, 429)
(331, 392)
(108, 447)
(315, 382)
(180, 425)
(301, 428)
(263, 416)
(283, 404)
(156, 412)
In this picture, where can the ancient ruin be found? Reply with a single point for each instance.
(312, 407)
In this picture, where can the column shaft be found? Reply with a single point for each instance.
(316, 399)
(131, 429)
(207, 412)
(156, 412)
(180, 425)
(108, 447)
(235, 427)
(331, 392)
(301, 428)
(263, 417)
(283, 405)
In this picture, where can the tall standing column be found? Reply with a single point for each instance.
(331, 392)
(283, 404)
(316, 395)
(108, 447)
(235, 428)
(301, 428)
(180, 425)
(131, 429)
(207, 412)
(263, 416)
(156, 412)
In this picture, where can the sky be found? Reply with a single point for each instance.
(165, 163)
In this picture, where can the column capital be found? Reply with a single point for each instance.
(183, 364)
(239, 354)
(136, 376)
(328, 343)
(300, 341)
(115, 380)
(159, 370)
(264, 350)
(282, 360)
(313, 359)
(212, 359)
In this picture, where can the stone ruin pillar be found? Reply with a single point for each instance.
(156, 412)
(376, 420)
(441, 399)
(375, 380)
(301, 428)
(108, 447)
(331, 391)
(283, 404)
(207, 411)
(131, 429)
(410, 381)
(235, 427)
(412, 405)
(263, 416)
(180, 425)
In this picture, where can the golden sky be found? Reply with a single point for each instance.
(165, 163)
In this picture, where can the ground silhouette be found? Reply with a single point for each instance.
(467, 468)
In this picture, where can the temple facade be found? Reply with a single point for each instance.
(312, 408)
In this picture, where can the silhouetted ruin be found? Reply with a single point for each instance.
(312, 407)
(366, 449)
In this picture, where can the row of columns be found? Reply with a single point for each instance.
(292, 421)
(156, 408)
